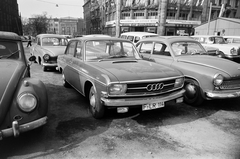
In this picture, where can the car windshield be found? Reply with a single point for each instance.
(217, 40)
(105, 49)
(53, 41)
(187, 48)
(9, 49)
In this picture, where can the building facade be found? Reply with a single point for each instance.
(53, 26)
(143, 15)
(10, 20)
(68, 26)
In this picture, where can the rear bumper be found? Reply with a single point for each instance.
(16, 129)
(142, 100)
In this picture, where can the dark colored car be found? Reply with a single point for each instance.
(23, 100)
(111, 74)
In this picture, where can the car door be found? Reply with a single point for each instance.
(77, 67)
(69, 69)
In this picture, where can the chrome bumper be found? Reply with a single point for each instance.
(222, 95)
(17, 129)
(142, 100)
(49, 64)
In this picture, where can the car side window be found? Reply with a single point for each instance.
(79, 50)
(38, 41)
(130, 38)
(161, 49)
(71, 49)
(137, 38)
(146, 47)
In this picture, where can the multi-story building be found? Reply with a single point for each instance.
(10, 20)
(87, 17)
(141, 15)
(53, 26)
(68, 26)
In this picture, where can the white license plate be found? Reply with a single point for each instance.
(152, 106)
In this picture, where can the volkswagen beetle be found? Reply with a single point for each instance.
(23, 100)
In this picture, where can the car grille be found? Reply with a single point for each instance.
(233, 84)
(150, 88)
(52, 59)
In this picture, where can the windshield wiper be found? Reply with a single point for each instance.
(13, 53)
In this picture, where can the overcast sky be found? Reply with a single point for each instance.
(72, 8)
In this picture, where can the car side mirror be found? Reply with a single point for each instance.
(32, 58)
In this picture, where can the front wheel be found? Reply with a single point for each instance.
(96, 107)
(193, 94)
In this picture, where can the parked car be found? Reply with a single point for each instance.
(97, 35)
(136, 36)
(230, 51)
(110, 73)
(206, 77)
(232, 39)
(23, 100)
(47, 48)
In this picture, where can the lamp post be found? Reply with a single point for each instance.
(118, 15)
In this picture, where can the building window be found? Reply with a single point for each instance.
(125, 15)
(152, 13)
(138, 14)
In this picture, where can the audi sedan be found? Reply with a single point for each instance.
(110, 73)
(23, 100)
(206, 77)
(47, 48)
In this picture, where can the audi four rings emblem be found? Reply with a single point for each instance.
(155, 86)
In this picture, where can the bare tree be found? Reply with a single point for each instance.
(39, 24)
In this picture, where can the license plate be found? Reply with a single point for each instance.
(152, 106)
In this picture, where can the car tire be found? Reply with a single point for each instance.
(97, 109)
(39, 60)
(64, 82)
(44, 68)
(221, 54)
(193, 94)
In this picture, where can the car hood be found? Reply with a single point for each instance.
(54, 50)
(136, 70)
(11, 72)
(229, 67)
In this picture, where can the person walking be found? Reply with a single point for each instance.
(29, 41)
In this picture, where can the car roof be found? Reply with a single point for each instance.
(205, 36)
(231, 36)
(138, 33)
(169, 38)
(51, 35)
(9, 35)
(96, 35)
(99, 38)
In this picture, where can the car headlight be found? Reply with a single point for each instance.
(179, 82)
(233, 51)
(27, 102)
(217, 80)
(117, 89)
(46, 57)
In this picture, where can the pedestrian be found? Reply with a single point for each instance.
(29, 41)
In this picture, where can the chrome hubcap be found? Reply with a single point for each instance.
(93, 102)
(191, 90)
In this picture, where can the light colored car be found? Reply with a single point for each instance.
(232, 39)
(110, 73)
(231, 51)
(206, 77)
(96, 35)
(47, 48)
(23, 100)
(136, 36)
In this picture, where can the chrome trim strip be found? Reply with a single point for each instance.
(142, 100)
